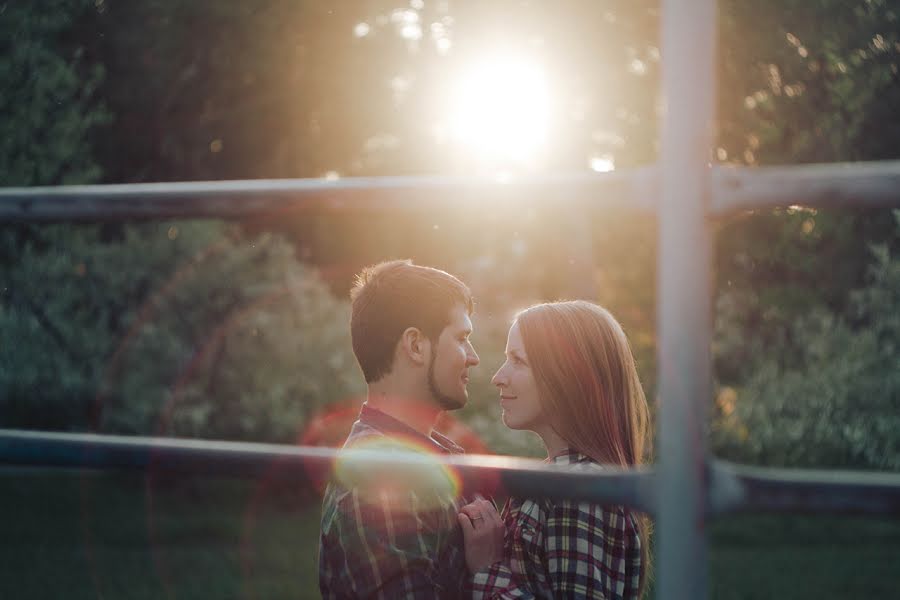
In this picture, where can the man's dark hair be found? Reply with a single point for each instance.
(389, 297)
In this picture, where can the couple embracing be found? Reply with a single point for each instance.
(569, 376)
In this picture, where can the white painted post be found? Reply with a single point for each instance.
(688, 52)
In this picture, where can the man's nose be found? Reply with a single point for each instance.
(473, 359)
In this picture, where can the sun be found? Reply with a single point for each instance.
(499, 109)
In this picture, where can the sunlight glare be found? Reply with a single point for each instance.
(361, 30)
(500, 109)
(602, 164)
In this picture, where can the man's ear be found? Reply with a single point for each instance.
(415, 346)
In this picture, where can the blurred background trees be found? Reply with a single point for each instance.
(239, 330)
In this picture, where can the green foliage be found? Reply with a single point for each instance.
(809, 81)
(188, 327)
(47, 99)
(836, 401)
(805, 355)
(263, 88)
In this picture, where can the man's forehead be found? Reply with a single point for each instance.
(459, 319)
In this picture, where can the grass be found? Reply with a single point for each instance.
(805, 557)
(70, 535)
(88, 535)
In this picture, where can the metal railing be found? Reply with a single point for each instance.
(856, 185)
(687, 486)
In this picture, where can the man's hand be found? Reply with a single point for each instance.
(483, 533)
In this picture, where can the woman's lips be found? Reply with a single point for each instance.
(505, 401)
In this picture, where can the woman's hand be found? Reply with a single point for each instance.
(483, 533)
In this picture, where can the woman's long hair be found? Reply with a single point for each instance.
(587, 380)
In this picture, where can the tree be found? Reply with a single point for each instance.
(185, 327)
(48, 99)
(837, 403)
(161, 328)
(809, 82)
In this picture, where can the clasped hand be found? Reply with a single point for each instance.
(483, 533)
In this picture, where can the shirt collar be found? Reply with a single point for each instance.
(387, 424)
(569, 456)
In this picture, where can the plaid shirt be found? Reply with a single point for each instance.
(391, 535)
(564, 549)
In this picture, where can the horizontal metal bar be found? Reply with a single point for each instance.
(851, 185)
(732, 487)
(230, 199)
(867, 184)
(741, 488)
(203, 458)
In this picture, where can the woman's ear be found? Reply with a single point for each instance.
(415, 345)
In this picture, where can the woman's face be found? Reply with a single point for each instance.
(518, 391)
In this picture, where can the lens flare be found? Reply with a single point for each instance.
(431, 483)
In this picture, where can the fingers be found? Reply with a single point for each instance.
(466, 524)
(473, 510)
(482, 514)
(482, 503)
(495, 520)
(492, 525)
(489, 512)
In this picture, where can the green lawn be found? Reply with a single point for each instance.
(804, 557)
(67, 535)
(73, 536)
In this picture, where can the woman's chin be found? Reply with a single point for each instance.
(510, 421)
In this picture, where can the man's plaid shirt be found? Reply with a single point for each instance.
(387, 535)
(564, 549)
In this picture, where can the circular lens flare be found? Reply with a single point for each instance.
(426, 482)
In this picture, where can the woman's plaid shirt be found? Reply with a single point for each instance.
(391, 535)
(564, 549)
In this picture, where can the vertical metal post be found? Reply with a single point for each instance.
(684, 311)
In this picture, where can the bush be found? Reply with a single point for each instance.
(837, 404)
(188, 328)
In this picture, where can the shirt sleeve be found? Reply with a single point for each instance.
(391, 544)
(498, 582)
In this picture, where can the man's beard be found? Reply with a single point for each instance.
(444, 401)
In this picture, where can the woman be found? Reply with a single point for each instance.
(569, 376)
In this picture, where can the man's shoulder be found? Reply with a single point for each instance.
(364, 436)
(360, 432)
(367, 465)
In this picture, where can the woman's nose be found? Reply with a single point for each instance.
(499, 378)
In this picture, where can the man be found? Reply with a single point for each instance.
(392, 533)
